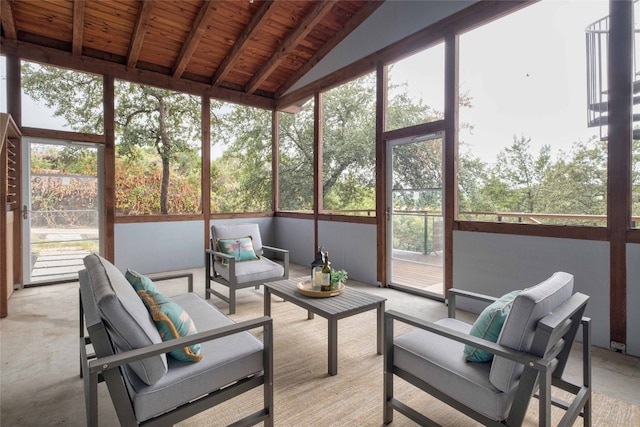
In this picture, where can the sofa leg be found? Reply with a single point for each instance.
(232, 301)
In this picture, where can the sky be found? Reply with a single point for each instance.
(531, 83)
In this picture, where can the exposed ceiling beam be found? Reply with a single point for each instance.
(58, 58)
(8, 23)
(139, 31)
(197, 31)
(353, 23)
(259, 19)
(293, 39)
(78, 26)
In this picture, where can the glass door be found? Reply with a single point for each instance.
(416, 221)
(61, 213)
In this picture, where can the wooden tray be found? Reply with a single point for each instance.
(306, 289)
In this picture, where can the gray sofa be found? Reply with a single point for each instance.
(147, 386)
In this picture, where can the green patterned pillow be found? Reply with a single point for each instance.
(488, 326)
(140, 282)
(172, 322)
(241, 248)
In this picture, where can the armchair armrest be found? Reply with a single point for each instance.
(489, 346)
(274, 249)
(102, 364)
(454, 292)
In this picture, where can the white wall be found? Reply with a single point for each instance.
(494, 264)
(633, 299)
(393, 21)
(151, 247)
(296, 235)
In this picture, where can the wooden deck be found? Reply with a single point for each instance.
(424, 272)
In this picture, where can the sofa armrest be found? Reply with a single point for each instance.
(489, 346)
(189, 277)
(102, 364)
(454, 292)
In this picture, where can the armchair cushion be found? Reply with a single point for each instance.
(440, 362)
(528, 308)
(241, 248)
(489, 325)
(140, 282)
(261, 269)
(127, 319)
(172, 322)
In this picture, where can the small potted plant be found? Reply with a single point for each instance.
(337, 277)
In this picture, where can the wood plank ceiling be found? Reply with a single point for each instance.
(252, 48)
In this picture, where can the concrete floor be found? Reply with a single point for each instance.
(39, 367)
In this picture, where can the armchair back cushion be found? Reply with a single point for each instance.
(236, 231)
(518, 332)
(128, 322)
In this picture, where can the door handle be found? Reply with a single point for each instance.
(25, 212)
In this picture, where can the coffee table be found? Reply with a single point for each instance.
(350, 302)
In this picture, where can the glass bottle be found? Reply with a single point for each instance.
(326, 273)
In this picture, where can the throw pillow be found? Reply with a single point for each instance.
(140, 282)
(172, 322)
(488, 326)
(241, 248)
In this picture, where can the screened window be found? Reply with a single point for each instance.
(240, 159)
(349, 134)
(61, 99)
(527, 151)
(296, 159)
(157, 151)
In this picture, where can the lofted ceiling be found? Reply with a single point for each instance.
(249, 51)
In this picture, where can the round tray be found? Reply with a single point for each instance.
(306, 289)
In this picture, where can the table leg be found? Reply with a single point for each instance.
(309, 315)
(333, 346)
(267, 301)
(380, 323)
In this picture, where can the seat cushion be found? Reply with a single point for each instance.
(232, 231)
(440, 362)
(225, 360)
(518, 331)
(126, 318)
(251, 271)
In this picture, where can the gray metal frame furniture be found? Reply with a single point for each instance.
(333, 309)
(147, 387)
(531, 354)
(239, 275)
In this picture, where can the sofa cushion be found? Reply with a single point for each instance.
(126, 318)
(488, 326)
(241, 248)
(528, 308)
(172, 322)
(225, 361)
(229, 231)
(440, 362)
(140, 282)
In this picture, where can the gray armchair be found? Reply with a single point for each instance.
(225, 269)
(530, 354)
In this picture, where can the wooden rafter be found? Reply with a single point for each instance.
(78, 27)
(197, 31)
(353, 23)
(295, 37)
(257, 21)
(139, 31)
(8, 23)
